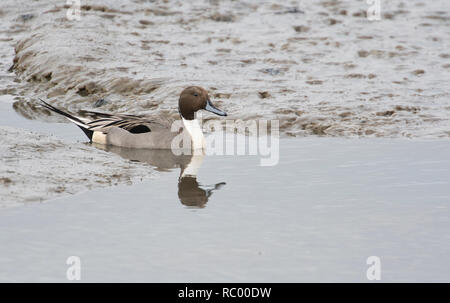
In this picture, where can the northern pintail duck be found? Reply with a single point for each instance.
(133, 131)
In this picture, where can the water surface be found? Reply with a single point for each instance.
(316, 216)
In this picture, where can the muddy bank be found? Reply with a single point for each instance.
(320, 67)
(36, 167)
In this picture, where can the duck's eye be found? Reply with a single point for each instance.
(195, 94)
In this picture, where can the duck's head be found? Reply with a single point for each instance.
(195, 98)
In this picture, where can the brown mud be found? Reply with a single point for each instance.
(320, 67)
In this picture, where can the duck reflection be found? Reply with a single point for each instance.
(190, 192)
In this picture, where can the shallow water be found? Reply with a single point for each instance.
(316, 216)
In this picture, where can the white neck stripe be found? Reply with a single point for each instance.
(195, 132)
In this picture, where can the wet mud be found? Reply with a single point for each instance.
(320, 67)
(36, 167)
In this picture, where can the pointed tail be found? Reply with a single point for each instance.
(84, 127)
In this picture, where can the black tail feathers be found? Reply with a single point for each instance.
(89, 133)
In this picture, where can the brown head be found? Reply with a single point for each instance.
(195, 98)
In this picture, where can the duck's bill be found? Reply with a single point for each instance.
(211, 108)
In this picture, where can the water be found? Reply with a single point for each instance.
(316, 216)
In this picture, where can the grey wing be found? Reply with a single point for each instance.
(133, 123)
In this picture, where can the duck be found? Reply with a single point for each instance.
(138, 131)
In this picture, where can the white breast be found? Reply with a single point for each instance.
(196, 133)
